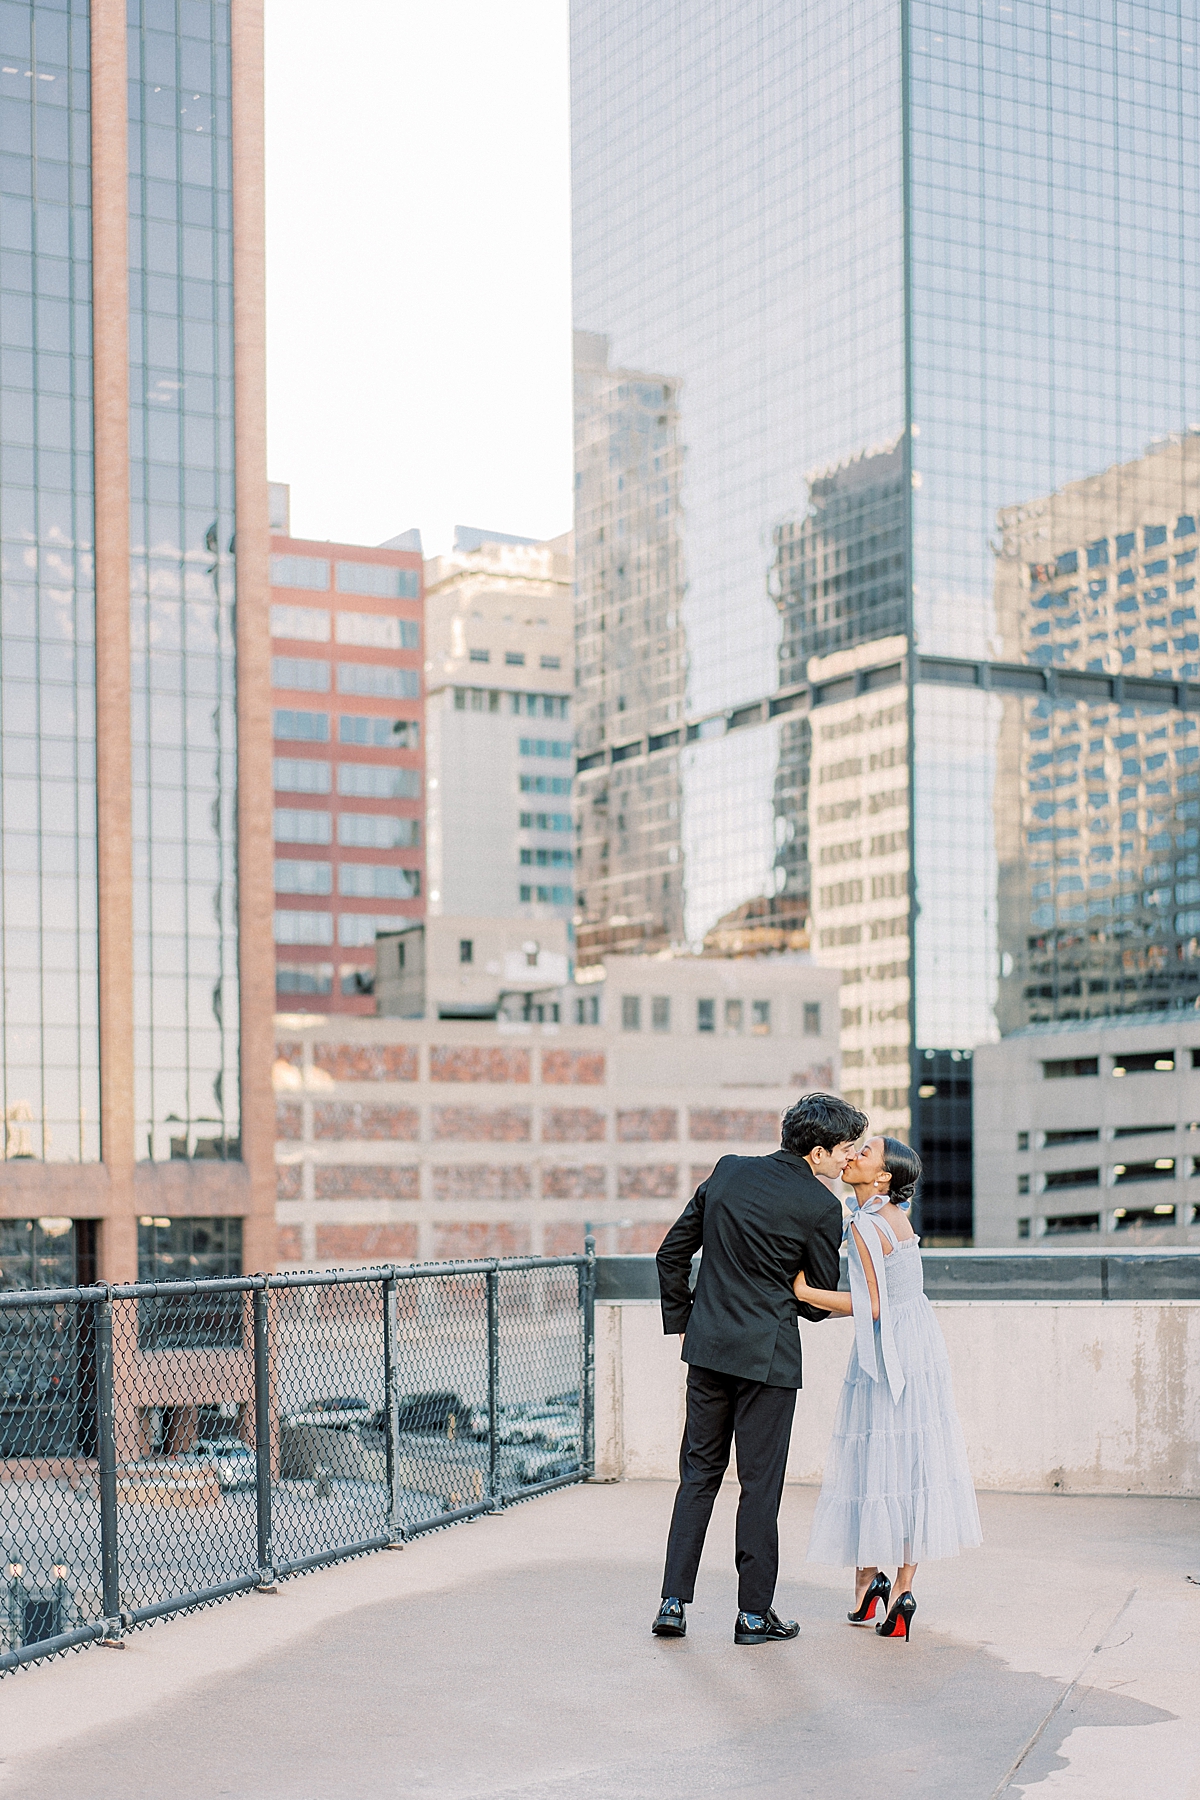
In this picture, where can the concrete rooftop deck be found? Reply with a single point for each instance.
(512, 1658)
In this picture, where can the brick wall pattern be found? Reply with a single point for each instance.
(472, 1062)
(479, 1125)
(367, 1181)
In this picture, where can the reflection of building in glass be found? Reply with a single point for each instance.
(629, 653)
(499, 757)
(839, 574)
(829, 279)
(858, 841)
(838, 580)
(1098, 802)
(134, 932)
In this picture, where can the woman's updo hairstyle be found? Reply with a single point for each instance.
(904, 1166)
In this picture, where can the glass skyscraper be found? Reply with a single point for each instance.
(134, 737)
(924, 278)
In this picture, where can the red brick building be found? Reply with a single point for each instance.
(348, 702)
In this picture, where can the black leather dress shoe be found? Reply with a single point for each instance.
(670, 1621)
(763, 1628)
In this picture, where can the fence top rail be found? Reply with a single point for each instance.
(247, 1284)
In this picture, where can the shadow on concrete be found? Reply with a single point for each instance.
(543, 1683)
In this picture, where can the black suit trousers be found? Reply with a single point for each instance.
(720, 1410)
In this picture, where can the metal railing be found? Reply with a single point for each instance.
(164, 1445)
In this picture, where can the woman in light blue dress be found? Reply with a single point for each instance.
(897, 1489)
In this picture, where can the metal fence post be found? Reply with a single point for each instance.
(262, 1436)
(106, 1468)
(493, 1348)
(391, 1409)
(588, 1396)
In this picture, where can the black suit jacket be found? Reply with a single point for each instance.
(759, 1220)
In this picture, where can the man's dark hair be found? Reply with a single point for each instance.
(820, 1119)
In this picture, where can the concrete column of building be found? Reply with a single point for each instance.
(110, 328)
(256, 952)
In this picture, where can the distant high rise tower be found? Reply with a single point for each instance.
(891, 310)
(500, 752)
(629, 652)
(135, 936)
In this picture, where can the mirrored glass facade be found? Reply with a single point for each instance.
(50, 1065)
(182, 577)
(922, 276)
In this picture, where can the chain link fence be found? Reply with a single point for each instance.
(167, 1444)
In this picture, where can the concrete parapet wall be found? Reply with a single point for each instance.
(1072, 1397)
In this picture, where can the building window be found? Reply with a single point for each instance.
(1022, 1228)
(514, 659)
(302, 825)
(377, 831)
(305, 624)
(1072, 1178)
(1022, 1141)
(300, 775)
(298, 876)
(308, 672)
(313, 727)
(379, 580)
(376, 631)
(481, 656)
(303, 927)
(587, 1009)
(660, 1013)
(1022, 1184)
(466, 950)
(552, 662)
(377, 681)
(1161, 1169)
(706, 1015)
(812, 1018)
(733, 1015)
(556, 747)
(364, 728)
(300, 572)
(304, 978)
(189, 1250)
(760, 1017)
(374, 781)
(356, 983)
(1067, 1067)
(631, 1012)
(378, 881)
(1072, 1222)
(1145, 1062)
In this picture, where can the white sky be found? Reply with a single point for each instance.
(418, 240)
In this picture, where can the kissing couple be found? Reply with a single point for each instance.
(896, 1490)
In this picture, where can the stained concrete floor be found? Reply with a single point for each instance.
(510, 1659)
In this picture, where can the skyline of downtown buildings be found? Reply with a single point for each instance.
(899, 413)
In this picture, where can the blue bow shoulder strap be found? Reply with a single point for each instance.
(872, 1229)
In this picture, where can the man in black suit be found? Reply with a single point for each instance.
(759, 1220)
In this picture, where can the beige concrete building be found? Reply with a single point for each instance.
(500, 751)
(1090, 1131)
(858, 852)
(437, 1138)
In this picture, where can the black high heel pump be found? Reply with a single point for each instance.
(899, 1621)
(880, 1589)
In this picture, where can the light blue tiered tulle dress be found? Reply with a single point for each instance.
(897, 1488)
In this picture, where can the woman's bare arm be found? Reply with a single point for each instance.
(827, 1299)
